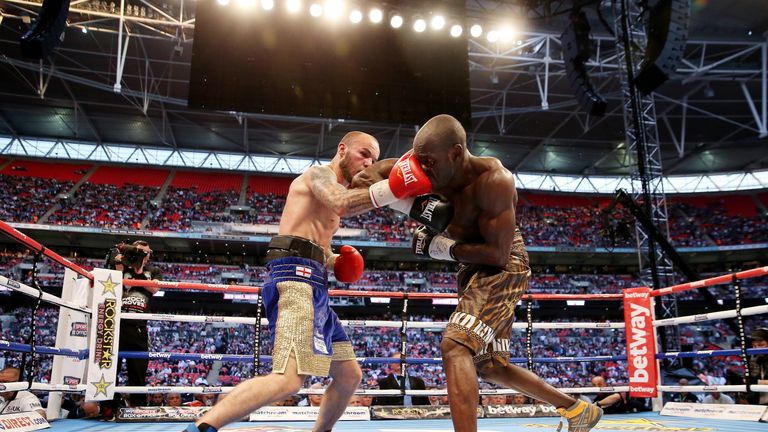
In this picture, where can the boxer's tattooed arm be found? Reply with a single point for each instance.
(343, 201)
(376, 172)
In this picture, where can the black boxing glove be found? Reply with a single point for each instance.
(426, 243)
(428, 209)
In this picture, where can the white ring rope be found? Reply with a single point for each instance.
(33, 292)
(19, 386)
(356, 323)
(23, 385)
(754, 310)
(703, 388)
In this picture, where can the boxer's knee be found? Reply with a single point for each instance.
(491, 370)
(453, 350)
(292, 383)
(290, 380)
(346, 372)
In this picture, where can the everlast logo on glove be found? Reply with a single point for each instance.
(420, 240)
(405, 168)
(427, 208)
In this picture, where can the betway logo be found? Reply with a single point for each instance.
(405, 168)
(159, 355)
(641, 389)
(211, 356)
(429, 207)
(529, 410)
(636, 295)
(638, 345)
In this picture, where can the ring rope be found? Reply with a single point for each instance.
(529, 332)
(360, 323)
(32, 292)
(37, 247)
(754, 310)
(16, 386)
(404, 344)
(717, 280)
(736, 283)
(25, 348)
(711, 353)
(23, 385)
(348, 293)
(18, 347)
(257, 337)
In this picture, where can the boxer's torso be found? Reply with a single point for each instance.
(468, 216)
(305, 216)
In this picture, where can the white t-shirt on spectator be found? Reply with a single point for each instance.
(23, 402)
(724, 399)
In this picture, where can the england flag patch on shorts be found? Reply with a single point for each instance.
(303, 271)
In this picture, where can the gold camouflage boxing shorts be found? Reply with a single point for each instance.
(488, 295)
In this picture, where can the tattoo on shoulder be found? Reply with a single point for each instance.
(331, 193)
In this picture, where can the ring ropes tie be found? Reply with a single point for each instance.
(742, 335)
(403, 343)
(529, 331)
(257, 338)
(31, 368)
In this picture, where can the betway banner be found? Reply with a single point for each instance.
(720, 412)
(104, 334)
(292, 413)
(641, 342)
(415, 412)
(520, 411)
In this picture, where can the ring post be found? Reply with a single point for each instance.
(71, 333)
(641, 343)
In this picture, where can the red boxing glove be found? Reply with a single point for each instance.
(406, 179)
(349, 265)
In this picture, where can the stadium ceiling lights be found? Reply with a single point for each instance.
(293, 6)
(396, 20)
(355, 16)
(420, 22)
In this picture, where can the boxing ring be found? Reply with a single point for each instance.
(644, 373)
(650, 422)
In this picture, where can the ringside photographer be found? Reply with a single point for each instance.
(132, 260)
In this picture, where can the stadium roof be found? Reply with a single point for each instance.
(712, 115)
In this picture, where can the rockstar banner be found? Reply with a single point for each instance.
(104, 334)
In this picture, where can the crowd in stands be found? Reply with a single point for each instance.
(266, 209)
(25, 199)
(105, 205)
(181, 206)
(684, 228)
(579, 224)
